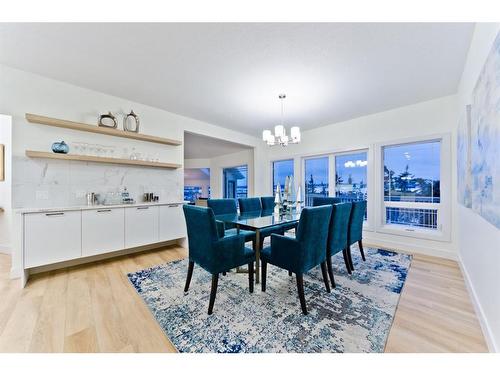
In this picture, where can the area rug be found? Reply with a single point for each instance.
(355, 317)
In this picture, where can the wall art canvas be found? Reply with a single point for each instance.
(485, 137)
(464, 178)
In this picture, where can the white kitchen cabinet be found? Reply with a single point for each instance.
(172, 223)
(141, 225)
(103, 230)
(51, 237)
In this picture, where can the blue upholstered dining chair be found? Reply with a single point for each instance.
(228, 206)
(337, 236)
(249, 205)
(267, 203)
(355, 232)
(223, 206)
(302, 253)
(212, 252)
(321, 201)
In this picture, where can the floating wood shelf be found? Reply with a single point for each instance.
(98, 159)
(37, 119)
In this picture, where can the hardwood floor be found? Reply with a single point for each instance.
(93, 308)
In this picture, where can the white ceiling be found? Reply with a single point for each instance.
(201, 147)
(231, 74)
(197, 174)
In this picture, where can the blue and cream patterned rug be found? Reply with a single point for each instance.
(355, 317)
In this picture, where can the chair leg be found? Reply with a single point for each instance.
(360, 244)
(250, 276)
(264, 274)
(346, 261)
(213, 292)
(325, 276)
(330, 270)
(302, 298)
(189, 275)
(289, 273)
(349, 256)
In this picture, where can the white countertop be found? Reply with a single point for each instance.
(93, 207)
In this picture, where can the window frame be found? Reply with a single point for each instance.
(443, 232)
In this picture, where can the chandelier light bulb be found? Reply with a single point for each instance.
(279, 130)
(295, 133)
(266, 135)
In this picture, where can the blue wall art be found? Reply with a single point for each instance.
(485, 139)
(464, 178)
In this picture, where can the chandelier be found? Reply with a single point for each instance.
(280, 137)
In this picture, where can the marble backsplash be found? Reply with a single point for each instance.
(61, 183)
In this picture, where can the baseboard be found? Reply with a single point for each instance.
(16, 272)
(4, 249)
(410, 249)
(488, 335)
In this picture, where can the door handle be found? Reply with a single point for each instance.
(55, 214)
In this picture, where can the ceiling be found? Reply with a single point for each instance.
(201, 147)
(230, 74)
(197, 174)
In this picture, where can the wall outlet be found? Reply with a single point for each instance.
(42, 195)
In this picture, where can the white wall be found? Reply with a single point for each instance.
(479, 241)
(218, 163)
(5, 186)
(61, 183)
(422, 119)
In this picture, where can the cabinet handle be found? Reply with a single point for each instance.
(143, 208)
(55, 214)
(104, 210)
(173, 205)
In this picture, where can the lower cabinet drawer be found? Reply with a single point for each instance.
(141, 225)
(52, 237)
(103, 231)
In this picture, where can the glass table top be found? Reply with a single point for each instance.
(259, 219)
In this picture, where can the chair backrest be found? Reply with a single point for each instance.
(222, 206)
(202, 233)
(321, 201)
(249, 204)
(312, 233)
(355, 232)
(267, 203)
(339, 226)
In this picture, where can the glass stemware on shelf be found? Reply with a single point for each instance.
(106, 151)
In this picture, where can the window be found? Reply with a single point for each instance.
(281, 169)
(351, 178)
(235, 182)
(316, 178)
(191, 193)
(412, 184)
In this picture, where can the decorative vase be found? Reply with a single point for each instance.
(60, 147)
(131, 122)
(107, 121)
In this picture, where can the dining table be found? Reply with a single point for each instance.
(256, 221)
